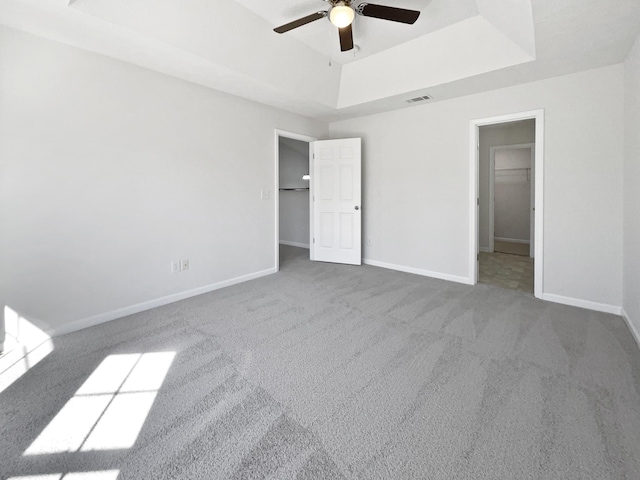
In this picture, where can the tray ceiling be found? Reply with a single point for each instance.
(455, 48)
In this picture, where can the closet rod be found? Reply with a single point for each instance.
(294, 189)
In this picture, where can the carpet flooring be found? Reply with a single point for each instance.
(328, 371)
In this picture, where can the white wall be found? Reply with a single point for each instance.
(632, 189)
(512, 189)
(294, 204)
(512, 133)
(109, 172)
(512, 219)
(416, 181)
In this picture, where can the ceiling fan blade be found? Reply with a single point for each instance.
(346, 38)
(388, 13)
(300, 22)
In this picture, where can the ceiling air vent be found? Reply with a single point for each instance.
(419, 99)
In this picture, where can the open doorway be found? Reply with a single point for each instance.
(507, 192)
(292, 197)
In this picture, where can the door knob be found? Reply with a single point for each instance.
(357, 207)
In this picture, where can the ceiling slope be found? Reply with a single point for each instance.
(466, 49)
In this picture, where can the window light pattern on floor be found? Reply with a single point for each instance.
(108, 410)
(25, 345)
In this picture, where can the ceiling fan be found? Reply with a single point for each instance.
(341, 14)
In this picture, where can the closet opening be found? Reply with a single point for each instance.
(507, 190)
(293, 214)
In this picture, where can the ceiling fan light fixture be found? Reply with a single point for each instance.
(341, 15)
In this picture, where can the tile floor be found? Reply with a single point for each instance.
(508, 271)
(511, 247)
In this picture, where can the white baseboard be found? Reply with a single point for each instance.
(576, 302)
(158, 302)
(485, 249)
(295, 244)
(418, 271)
(632, 327)
(512, 240)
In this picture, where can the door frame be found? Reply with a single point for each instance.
(304, 138)
(492, 179)
(474, 199)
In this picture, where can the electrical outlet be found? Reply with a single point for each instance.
(265, 194)
(369, 241)
(175, 267)
(185, 264)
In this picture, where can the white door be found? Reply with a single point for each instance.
(336, 196)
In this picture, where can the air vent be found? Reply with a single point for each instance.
(419, 99)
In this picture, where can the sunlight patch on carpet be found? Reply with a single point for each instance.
(109, 409)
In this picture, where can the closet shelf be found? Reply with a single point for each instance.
(293, 189)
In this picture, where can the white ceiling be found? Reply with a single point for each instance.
(371, 35)
(455, 48)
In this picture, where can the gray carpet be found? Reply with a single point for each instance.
(338, 372)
